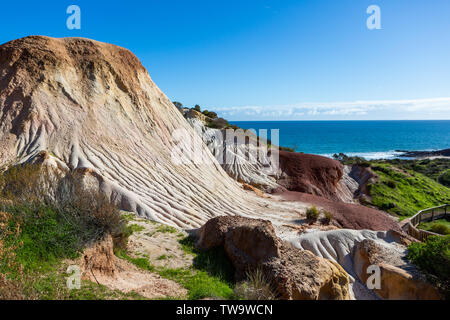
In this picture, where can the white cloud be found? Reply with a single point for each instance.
(434, 108)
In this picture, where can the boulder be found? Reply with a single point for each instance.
(295, 274)
(397, 283)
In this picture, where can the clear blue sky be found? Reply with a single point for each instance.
(272, 59)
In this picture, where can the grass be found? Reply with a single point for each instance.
(256, 287)
(132, 228)
(403, 192)
(441, 226)
(34, 243)
(140, 262)
(328, 217)
(312, 213)
(433, 258)
(211, 275)
(166, 229)
(38, 235)
(406, 186)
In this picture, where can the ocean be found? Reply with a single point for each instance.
(367, 139)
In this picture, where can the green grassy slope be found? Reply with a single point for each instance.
(403, 191)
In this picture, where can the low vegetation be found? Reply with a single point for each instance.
(405, 187)
(312, 214)
(38, 233)
(328, 217)
(404, 192)
(441, 226)
(433, 258)
(256, 287)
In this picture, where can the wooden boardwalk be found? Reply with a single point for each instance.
(410, 225)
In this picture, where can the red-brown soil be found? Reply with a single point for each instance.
(346, 215)
(311, 174)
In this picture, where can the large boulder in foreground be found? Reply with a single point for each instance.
(296, 274)
(395, 283)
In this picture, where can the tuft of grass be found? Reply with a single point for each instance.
(312, 213)
(166, 229)
(328, 217)
(132, 228)
(256, 287)
(142, 263)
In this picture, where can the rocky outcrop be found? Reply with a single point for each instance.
(99, 259)
(94, 109)
(403, 282)
(243, 162)
(425, 154)
(312, 174)
(363, 176)
(296, 274)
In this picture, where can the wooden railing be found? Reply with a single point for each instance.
(430, 214)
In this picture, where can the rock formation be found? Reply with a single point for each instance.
(296, 274)
(401, 282)
(90, 112)
(356, 250)
(94, 109)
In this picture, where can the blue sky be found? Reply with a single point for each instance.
(272, 59)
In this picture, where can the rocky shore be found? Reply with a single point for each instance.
(445, 153)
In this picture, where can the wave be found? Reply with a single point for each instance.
(372, 155)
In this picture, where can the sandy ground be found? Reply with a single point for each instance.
(129, 278)
(160, 244)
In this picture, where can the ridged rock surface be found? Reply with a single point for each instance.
(94, 107)
(252, 243)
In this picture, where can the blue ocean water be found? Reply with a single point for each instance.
(368, 139)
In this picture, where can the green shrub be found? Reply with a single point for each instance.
(48, 229)
(433, 258)
(440, 228)
(445, 178)
(391, 184)
(328, 217)
(312, 213)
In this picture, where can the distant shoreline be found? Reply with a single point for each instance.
(445, 153)
(399, 154)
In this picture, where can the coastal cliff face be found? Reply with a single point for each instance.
(92, 105)
(91, 109)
